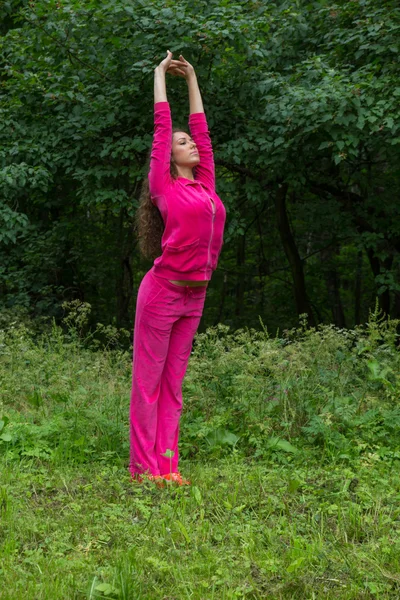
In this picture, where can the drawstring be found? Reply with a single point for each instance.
(188, 293)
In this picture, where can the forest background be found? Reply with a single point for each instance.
(290, 433)
(303, 103)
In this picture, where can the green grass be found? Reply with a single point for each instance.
(291, 444)
(240, 531)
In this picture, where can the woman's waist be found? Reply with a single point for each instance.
(188, 283)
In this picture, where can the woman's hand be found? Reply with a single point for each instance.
(181, 68)
(160, 90)
(166, 63)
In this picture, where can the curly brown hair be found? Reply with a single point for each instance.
(149, 222)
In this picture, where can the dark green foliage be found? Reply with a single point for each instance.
(302, 99)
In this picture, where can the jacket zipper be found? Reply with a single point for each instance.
(212, 231)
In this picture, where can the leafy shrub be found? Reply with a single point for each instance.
(325, 390)
(322, 386)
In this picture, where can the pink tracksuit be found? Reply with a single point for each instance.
(168, 315)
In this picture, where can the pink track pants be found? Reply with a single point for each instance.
(167, 318)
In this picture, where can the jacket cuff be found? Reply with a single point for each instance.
(161, 107)
(198, 122)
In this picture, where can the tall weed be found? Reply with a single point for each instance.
(65, 393)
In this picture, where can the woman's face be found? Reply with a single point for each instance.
(184, 150)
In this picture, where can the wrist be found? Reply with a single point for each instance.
(191, 78)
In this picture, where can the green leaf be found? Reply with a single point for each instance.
(276, 443)
(295, 565)
(107, 589)
(221, 437)
(293, 485)
(168, 453)
(197, 495)
(279, 141)
(183, 530)
(324, 145)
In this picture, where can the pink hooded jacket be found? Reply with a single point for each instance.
(193, 214)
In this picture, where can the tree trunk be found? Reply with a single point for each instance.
(303, 305)
(240, 286)
(222, 299)
(396, 307)
(336, 302)
(333, 285)
(357, 291)
(376, 266)
(124, 283)
(263, 266)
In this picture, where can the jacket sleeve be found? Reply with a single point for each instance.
(160, 159)
(205, 171)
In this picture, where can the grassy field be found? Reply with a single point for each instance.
(291, 444)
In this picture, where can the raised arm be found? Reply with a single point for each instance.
(159, 173)
(205, 171)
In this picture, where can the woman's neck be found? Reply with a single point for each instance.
(186, 172)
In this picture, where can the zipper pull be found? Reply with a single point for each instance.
(213, 207)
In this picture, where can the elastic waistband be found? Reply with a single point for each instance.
(197, 290)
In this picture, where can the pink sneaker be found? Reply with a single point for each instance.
(176, 478)
(157, 479)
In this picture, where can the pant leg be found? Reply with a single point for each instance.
(153, 324)
(170, 400)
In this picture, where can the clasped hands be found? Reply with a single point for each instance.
(179, 68)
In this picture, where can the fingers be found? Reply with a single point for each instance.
(178, 63)
(167, 60)
(172, 70)
(179, 67)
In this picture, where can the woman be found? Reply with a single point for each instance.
(181, 185)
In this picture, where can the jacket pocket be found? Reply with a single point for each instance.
(181, 258)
